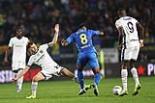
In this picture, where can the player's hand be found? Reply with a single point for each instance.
(5, 62)
(14, 79)
(119, 47)
(141, 43)
(63, 42)
(101, 33)
(56, 28)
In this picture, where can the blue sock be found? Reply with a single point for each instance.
(97, 78)
(81, 79)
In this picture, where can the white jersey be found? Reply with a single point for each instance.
(19, 51)
(130, 37)
(43, 59)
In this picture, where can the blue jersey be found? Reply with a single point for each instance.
(83, 40)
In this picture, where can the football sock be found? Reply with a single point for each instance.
(97, 78)
(80, 79)
(19, 84)
(34, 88)
(135, 76)
(124, 74)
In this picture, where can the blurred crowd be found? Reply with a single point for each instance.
(39, 15)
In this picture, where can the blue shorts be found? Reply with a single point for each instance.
(88, 58)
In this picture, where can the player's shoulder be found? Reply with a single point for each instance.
(25, 38)
(43, 46)
(12, 39)
(31, 58)
(118, 20)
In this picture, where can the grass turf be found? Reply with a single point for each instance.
(67, 92)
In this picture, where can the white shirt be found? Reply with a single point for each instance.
(42, 58)
(19, 48)
(130, 37)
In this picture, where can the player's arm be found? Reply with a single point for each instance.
(55, 38)
(7, 53)
(8, 50)
(120, 35)
(64, 42)
(100, 33)
(69, 40)
(21, 73)
(140, 34)
(96, 32)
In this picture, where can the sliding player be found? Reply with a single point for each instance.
(49, 67)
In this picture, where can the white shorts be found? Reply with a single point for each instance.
(130, 53)
(53, 70)
(17, 65)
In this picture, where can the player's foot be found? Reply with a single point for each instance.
(18, 90)
(76, 80)
(102, 73)
(96, 91)
(31, 97)
(87, 87)
(82, 91)
(136, 91)
(123, 93)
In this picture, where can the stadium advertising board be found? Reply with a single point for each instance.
(111, 70)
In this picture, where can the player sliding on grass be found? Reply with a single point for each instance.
(130, 41)
(49, 67)
(87, 54)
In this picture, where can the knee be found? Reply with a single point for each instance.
(79, 68)
(96, 70)
(124, 66)
(34, 79)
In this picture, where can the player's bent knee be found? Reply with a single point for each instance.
(96, 70)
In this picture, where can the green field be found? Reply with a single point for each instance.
(66, 92)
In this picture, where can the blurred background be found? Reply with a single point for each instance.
(39, 16)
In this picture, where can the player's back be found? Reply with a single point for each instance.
(83, 40)
(129, 25)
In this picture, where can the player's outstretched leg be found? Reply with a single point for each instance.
(137, 82)
(34, 85)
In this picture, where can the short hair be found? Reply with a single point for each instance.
(121, 10)
(29, 44)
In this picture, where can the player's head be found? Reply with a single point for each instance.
(121, 12)
(32, 48)
(83, 26)
(20, 30)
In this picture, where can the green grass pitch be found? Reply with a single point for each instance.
(67, 92)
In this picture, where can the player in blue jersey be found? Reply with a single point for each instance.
(86, 54)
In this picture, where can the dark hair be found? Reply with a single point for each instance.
(29, 44)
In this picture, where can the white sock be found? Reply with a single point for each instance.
(135, 75)
(34, 88)
(19, 84)
(124, 75)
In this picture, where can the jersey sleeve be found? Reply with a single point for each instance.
(118, 24)
(43, 47)
(11, 43)
(30, 62)
(94, 32)
(136, 21)
(70, 39)
(27, 40)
